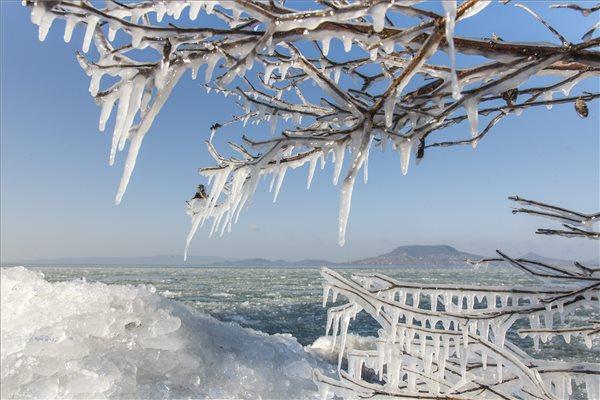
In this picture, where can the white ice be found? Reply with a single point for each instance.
(92, 340)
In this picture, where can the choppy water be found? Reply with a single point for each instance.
(286, 300)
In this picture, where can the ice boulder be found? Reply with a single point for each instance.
(91, 340)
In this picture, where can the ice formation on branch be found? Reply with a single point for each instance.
(382, 88)
(450, 341)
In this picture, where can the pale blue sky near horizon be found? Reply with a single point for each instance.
(57, 197)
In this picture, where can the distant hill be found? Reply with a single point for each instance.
(420, 255)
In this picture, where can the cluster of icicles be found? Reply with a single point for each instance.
(142, 88)
(447, 340)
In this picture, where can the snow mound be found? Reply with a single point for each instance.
(92, 340)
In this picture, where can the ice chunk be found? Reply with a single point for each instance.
(91, 340)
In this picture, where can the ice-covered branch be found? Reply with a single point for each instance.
(380, 86)
(440, 341)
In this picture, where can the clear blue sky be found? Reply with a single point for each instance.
(58, 190)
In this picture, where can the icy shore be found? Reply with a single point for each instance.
(91, 340)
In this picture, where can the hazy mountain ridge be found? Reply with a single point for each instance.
(420, 255)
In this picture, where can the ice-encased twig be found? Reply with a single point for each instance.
(449, 341)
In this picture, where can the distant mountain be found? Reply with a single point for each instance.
(420, 255)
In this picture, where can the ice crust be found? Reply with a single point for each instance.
(91, 340)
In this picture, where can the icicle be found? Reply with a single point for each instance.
(534, 323)
(107, 105)
(91, 21)
(311, 170)
(366, 163)
(345, 322)
(44, 25)
(323, 391)
(347, 40)
(210, 66)
(195, 7)
(280, 177)
(334, 333)
(337, 72)
(388, 46)
(268, 71)
(325, 44)
(283, 69)
(373, 53)
(124, 95)
(339, 150)
(326, 291)
(472, 114)
(273, 120)
(210, 5)
(592, 387)
(433, 303)
(95, 81)
(135, 100)
(160, 9)
(463, 365)
(378, 12)
(404, 149)
(71, 22)
(37, 12)
(484, 358)
(450, 10)
(348, 185)
(142, 129)
(388, 109)
(195, 223)
(548, 96)
(588, 340)
(194, 71)
(112, 30)
(411, 378)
